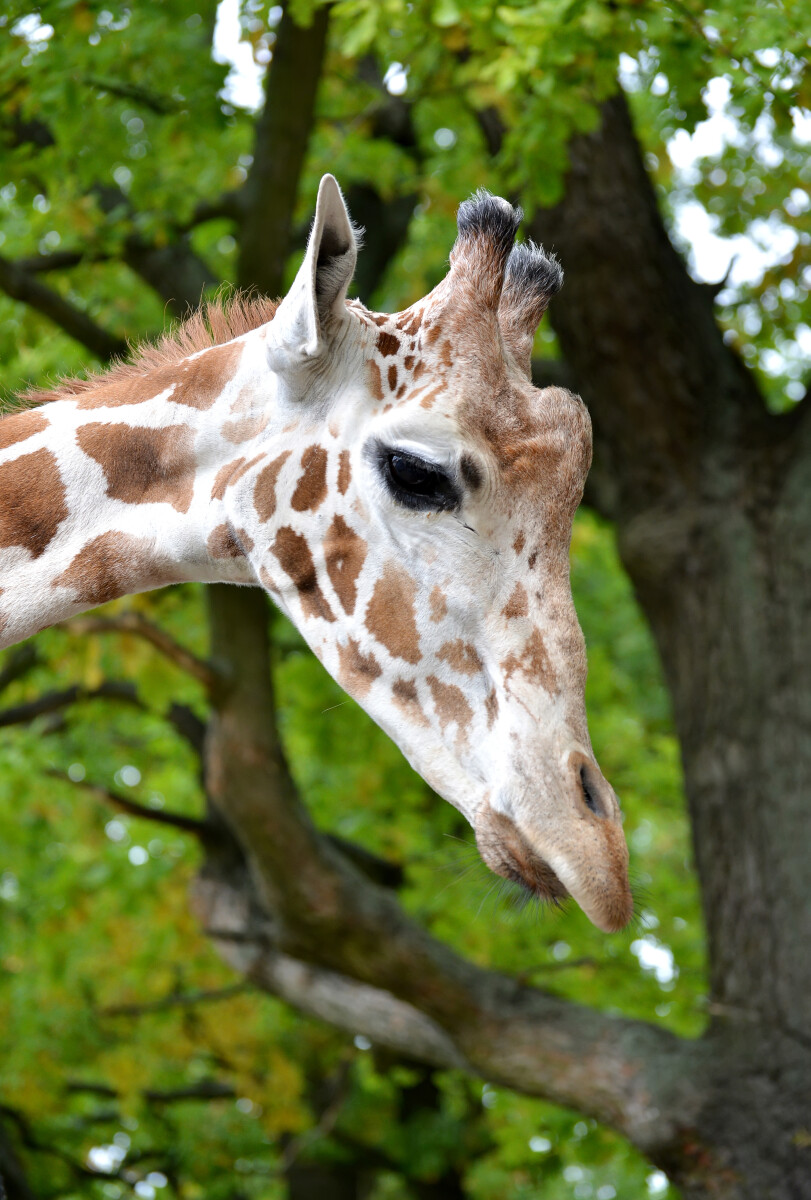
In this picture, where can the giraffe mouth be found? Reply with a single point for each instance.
(599, 885)
(507, 852)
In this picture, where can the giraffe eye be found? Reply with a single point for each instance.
(417, 483)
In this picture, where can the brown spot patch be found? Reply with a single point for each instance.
(223, 478)
(387, 343)
(392, 376)
(533, 662)
(491, 707)
(224, 543)
(447, 356)
(410, 322)
(375, 380)
(264, 492)
(533, 558)
(33, 501)
(430, 396)
(143, 466)
(405, 696)
(19, 426)
(344, 472)
(439, 604)
(228, 475)
(450, 703)
(519, 543)
(408, 361)
(311, 488)
(357, 671)
(345, 553)
(293, 553)
(461, 656)
(244, 428)
(391, 617)
(267, 580)
(517, 605)
(197, 381)
(111, 566)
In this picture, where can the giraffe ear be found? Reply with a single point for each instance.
(314, 306)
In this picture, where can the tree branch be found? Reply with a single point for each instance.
(206, 1089)
(110, 689)
(176, 1000)
(229, 204)
(154, 101)
(200, 828)
(188, 825)
(60, 260)
(173, 270)
(282, 136)
(13, 1183)
(182, 718)
(19, 285)
(31, 1142)
(137, 625)
(19, 661)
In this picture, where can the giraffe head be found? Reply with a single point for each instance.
(423, 512)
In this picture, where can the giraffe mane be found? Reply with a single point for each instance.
(212, 324)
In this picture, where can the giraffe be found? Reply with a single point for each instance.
(398, 487)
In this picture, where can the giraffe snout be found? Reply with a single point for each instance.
(568, 842)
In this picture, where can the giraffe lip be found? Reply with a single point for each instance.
(533, 874)
(507, 852)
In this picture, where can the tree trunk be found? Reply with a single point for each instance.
(711, 495)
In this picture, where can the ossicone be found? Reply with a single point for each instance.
(487, 227)
(531, 279)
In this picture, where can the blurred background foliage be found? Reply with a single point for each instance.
(133, 1061)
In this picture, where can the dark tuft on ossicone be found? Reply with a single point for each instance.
(490, 217)
(531, 271)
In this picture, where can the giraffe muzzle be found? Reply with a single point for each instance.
(577, 852)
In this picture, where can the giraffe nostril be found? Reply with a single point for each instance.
(590, 790)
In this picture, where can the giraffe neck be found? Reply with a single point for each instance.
(125, 487)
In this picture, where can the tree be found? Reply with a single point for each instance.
(702, 472)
